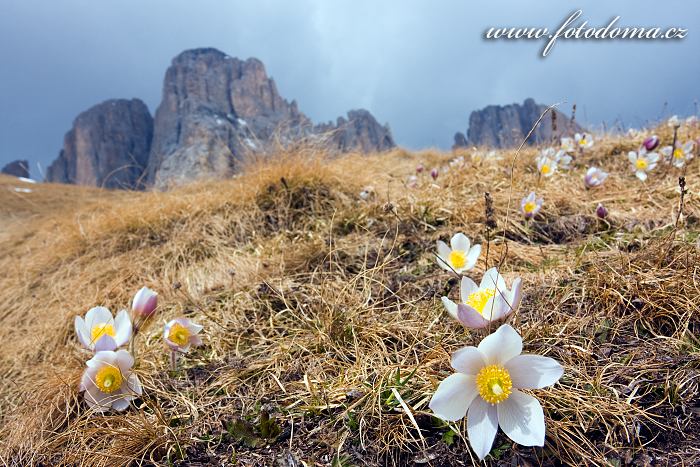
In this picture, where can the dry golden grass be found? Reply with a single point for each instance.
(320, 307)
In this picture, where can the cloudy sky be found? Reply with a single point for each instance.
(421, 66)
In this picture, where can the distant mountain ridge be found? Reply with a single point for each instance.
(215, 109)
(18, 168)
(506, 126)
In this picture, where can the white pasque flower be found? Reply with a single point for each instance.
(567, 144)
(531, 205)
(680, 155)
(594, 177)
(181, 333)
(563, 159)
(100, 331)
(108, 381)
(486, 388)
(546, 166)
(642, 162)
(490, 301)
(460, 256)
(583, 141)
(674, 121)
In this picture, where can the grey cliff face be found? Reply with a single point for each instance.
(359, 132)
(217, 109)
(506, 126)
(108, 146)
(18, 168)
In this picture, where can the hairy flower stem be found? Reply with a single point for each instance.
(132, 343)
(173, 360)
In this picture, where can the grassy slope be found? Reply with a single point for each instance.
(316, 304)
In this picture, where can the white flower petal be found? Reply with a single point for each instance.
(493, 280)
(134, 384)
(515, 296)
(632, 156)
(471, 318)
(522, 419)
(88, 379)
(482, 424)
(96, 399)
(450, 307)
(501, 346)
(453, 397)
(98, 315)
(496, 308)
(124, 361)
(460, 242)
(533, 371)
(121, 402)
(443, 250)
(196, 340)
(105, 342)
(194, 328)
(106, 357)
(641, 175)
(468, 360)
(122, 327)
(466, 288)
(82, 332)
(473, 256)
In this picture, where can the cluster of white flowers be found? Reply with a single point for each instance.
(108, 381)
(579, 142)
(486, 385)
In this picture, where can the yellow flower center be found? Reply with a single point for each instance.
(458, 258)
(100, 330)
(545, 169)
(641, 164)
(108, 379)
(678, 153)
(529, 207)
(582, 142)
(179, 334)
(478, 299)
(494, 384)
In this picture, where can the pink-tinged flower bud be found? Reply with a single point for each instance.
(145, 302)
(601, 211)
(434, 173)
(420, 168)
(651, 143)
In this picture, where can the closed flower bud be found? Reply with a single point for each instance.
(601, 211)
(651, 143)
(434, 173)
(420, 168)
(145, 302)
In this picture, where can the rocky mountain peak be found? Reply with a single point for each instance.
(108, 146)
(18, 168)
(506, 126)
